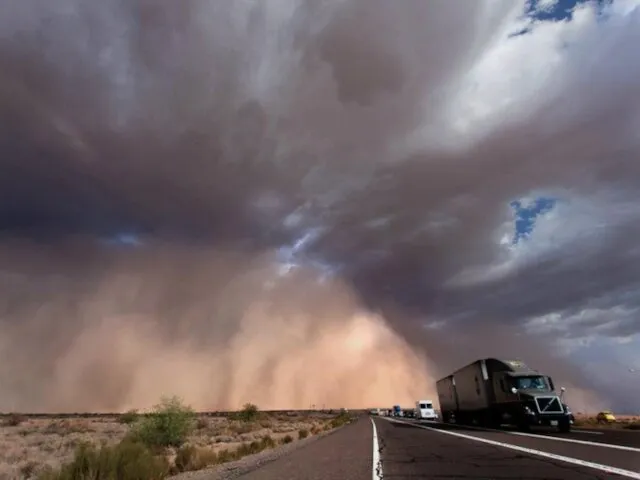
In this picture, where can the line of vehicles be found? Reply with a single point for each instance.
(489, 393)
(423, 410)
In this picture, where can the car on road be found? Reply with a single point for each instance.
(606, 416)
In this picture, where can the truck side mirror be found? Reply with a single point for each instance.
(514, 390)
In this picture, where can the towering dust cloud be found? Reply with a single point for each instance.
(163, 163)
(215, 328)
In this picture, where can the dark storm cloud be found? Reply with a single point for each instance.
(237, 129)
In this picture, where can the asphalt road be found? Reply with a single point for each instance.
(346, 454)
(408, 450)
(447, 451)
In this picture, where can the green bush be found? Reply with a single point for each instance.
(129, 417)
(128, 460)
(342, 419)
(168, 425)
(249, 413)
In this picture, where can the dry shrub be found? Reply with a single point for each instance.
(249, 413)
(266, 423)
(242, 428)
(342, 419)
(13, 420)
(225, 456)
(128, 460)
(287, 439)
(202, 423)
(268, 441)
(303, 433)
(66, 427)
(190, 458)
(29, 469)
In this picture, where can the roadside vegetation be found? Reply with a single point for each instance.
(168, 440)
(622, 422)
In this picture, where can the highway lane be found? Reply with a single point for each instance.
(446, 451)
(407, 450)
(629, 438)
(610, 436)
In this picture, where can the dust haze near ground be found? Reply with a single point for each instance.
(370, 148)
(218, 329)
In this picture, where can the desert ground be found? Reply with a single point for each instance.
(626, 422)
(41, 447)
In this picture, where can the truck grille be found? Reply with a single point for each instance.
(549, 405)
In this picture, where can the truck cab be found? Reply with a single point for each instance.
(425, 411)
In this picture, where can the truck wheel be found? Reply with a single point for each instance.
(524, 426)
(564, 426)
(491, 421)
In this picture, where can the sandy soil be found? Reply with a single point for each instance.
(622, 421)
(33, 443)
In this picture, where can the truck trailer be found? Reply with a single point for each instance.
(491, 392)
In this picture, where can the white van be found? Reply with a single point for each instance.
(425, 410)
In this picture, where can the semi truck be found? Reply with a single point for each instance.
(425, 411)
(491, 392)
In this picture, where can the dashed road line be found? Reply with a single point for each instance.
(531, 451)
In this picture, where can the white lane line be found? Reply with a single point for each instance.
(589, 432)
(579, 442)
(531, 451)
(559, 439)
(377, 464)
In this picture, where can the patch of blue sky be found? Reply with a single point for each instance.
(555, 11)
(526, 213)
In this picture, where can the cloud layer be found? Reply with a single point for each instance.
(378, 144)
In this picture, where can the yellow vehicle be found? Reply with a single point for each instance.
(606, 416)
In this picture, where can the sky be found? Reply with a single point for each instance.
(216, 199)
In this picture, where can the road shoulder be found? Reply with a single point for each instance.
(341, 453)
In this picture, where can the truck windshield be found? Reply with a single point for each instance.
(426, 405)
(531, 383)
